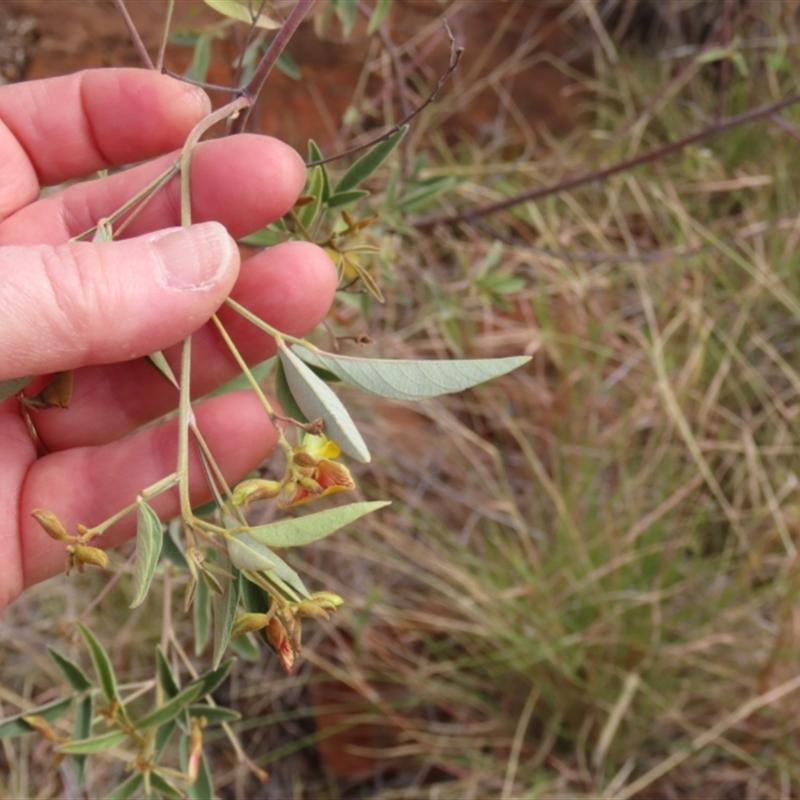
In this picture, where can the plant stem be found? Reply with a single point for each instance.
(134, 34)
(163, 47)
(185, 419)
(268, 60)
(657, 153)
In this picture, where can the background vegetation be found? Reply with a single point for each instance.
(587, 583)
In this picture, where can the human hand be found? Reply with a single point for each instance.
(97, 308)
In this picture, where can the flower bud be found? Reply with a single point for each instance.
(51, 524)
(256, 489)
(248, 623)
(80, 554)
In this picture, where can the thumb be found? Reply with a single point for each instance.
(87, 303)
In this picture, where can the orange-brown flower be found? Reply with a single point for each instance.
(314, 473)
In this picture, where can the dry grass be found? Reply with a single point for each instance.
(587, 583)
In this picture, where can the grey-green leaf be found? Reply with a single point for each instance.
(346, 198)
(285, 397)
(410, 380)
(248, 554)
(96, 744)
(369, 162)
(166, 679)
(224, 607)
(316, 399)
(50, 712)
(102, 664)
(287, 576)
(211, 680)
(129, 788)
(11, 386)
(77, 678)
(214, 715)
(171, 708)
(201, 612)
(149, 540)
(311, 527)
(162, 785)
(82, 729)
(316, 184)
(315, 154)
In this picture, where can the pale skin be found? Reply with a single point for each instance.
(98, 308)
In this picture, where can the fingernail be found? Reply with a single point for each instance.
(192, 258)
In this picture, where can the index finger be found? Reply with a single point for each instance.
(68, 127)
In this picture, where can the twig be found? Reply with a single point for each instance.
(277, 46)
(134, 34)
(214, 87)
(167, 23)
(426, 223)
(455, 58)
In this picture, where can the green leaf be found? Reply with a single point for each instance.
(286, 574)
(369, 162)
(77, 678)
(215, 715)
(316, 399)
(288, 66)
(315, 154)
(311, 527)
(420, 195)
(162, 738)
(224, 607)
(168, 682)
(11, 386)
(244, 11)
(159, 361)
(82, 729)
(308, 213)
(285, 397)
(202, 788)
(171, 708)
(201, 612)
(161, 784)
(129, 788)
(211, 680)
(172, 548)
(97, 744)
(378, 13)
(102, 664)
(16, 726)
(410, 380)
(346, 198)
(248, 554)
(246, 648)
(201, 58)
(149, 541)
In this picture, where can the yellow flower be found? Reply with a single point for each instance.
(314, 473)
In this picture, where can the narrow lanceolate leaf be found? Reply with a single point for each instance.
(97, 744)
(77, 678)
(11, 386)
(311, 527)
(102, 664)
(211, 680)
(214, 715)
(16, 726)
(248, 554)
(410, 380)
(159, 361)
(202, 788)
(315, 154)
(346, 198)
(149, 540)
(82, 729)
(130, 788)
(308, 213)
(168, 682)
(164, 787)
(170, 709)
(369, 162)
(224, 607)
(316, 399)
(244, 11)
(201, 612)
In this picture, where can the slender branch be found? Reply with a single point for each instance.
(426, 223)
(164, 38)
(455, 58)
(134, 34)
(277, 46)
